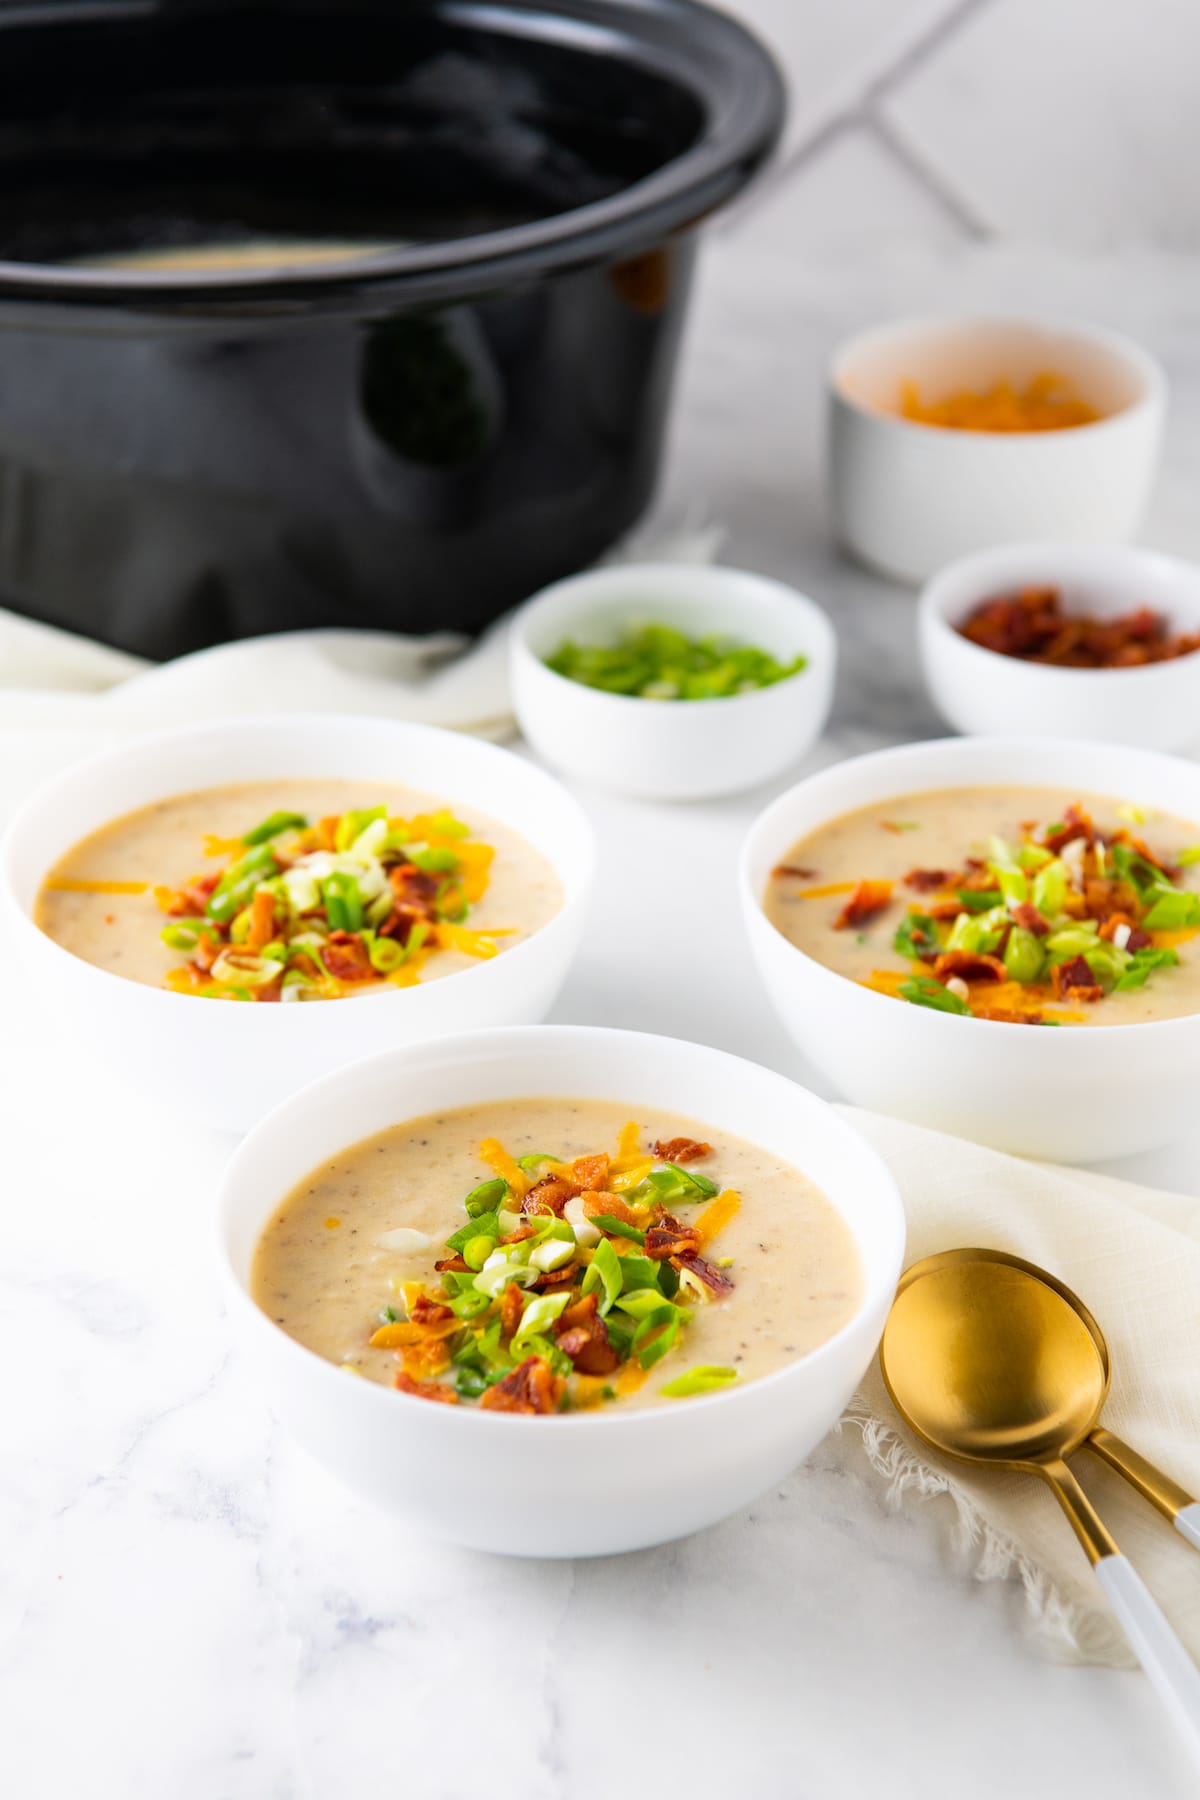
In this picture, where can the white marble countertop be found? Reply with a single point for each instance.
(189, 1607)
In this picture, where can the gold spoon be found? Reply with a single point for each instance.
(990, 1360)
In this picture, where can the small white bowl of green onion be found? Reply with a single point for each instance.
(672, 682)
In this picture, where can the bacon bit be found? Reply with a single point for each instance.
(1004, 1015)
(1137, 939)
(530, 1388)
(717, 1215)
(1078, 825)
(262, 920)
(1102, 898)
(346, 957)
(426, 1390)
(265, 995)
(1031, 625)
(978, 878)
(1026, 914)
(455, 1264)
(791, 872)
(512, 1305)
(429, 1357)
(555, 1278)
(522, 1231)
(1074, 981)
(969, 965)
(610, 1206)
(414, 887)
(715, 1280)
(865, 903)
(549, 1195)
(681, 1150)
(425, 1311)
(590, 1172)
(583, 1336)
(189, 900)
(671, 1237)
(927, 881)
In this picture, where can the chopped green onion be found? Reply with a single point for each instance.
(482, 1225)
(272, 826)
(1050, 888)
(1173, 911)
(386, 954)
(604, 1271)
(533, 1162)
(640, 1302)
(342, 899)
(673, 1185)
(476, 1251)
(979, 900)
(656, 662)
(537, 1316)
(469, 1303)
(1024, 958)
(979, 933)
(236, 887)
(437, 861)
(446, 825)
(1013, 884)
(617, 1227)
(183, 934)
(352, 824)
(1032, 857)
(487, 1197)
(1143, 966)
(916, 936)
(705, 1378)
(923, 990)
(639, 1272)
(451, 902)
(552, 1254)
(1187, 857)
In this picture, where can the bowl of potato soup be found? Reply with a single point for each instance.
(558, 1291)
(995, 937)
(230, 911)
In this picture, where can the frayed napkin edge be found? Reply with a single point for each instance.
(1069, 1631)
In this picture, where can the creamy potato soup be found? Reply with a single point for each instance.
(543, 1255)
(1024, 905)
(296, 890)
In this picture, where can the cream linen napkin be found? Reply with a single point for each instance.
(50, 678)
(1132, 1254)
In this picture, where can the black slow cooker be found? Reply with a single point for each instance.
(344, 312)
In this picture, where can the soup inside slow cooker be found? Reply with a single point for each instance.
(247, 136)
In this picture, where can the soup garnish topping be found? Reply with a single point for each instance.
(1047, 402)
(1063, 917)
(568, 1281)
(309, 911)
(1031, 626)
(657, 662)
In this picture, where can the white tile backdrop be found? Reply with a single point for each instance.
(1074, 123)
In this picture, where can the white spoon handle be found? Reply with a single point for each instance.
(1166, 1662)
(1187, 1523)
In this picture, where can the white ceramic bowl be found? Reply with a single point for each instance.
(1075, 1095)
(582, 1485)
(908, 498)
(672, 750)
(977, 690)
(231, 1063)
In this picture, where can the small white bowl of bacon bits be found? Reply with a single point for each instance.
(1066, 640)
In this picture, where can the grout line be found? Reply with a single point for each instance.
(856, 108)
(952, 202)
